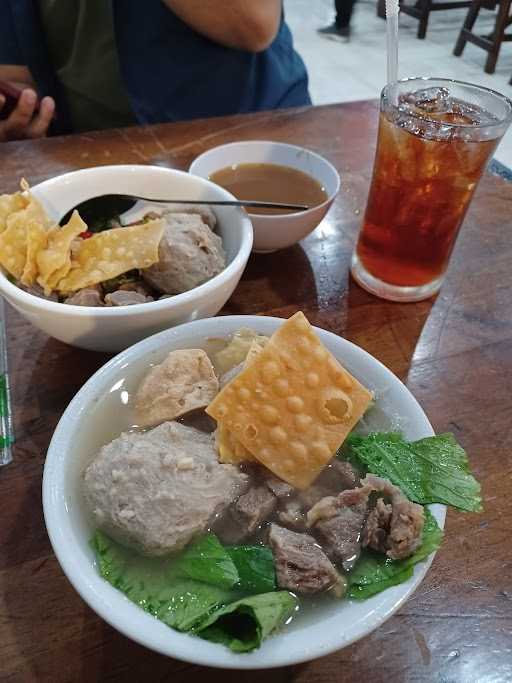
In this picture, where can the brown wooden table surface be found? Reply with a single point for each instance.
(453, 352)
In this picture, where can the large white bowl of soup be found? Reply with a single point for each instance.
(273, 171)
(116, 320)
(83, 450)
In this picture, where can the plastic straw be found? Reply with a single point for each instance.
(6, 431)
(392, 9)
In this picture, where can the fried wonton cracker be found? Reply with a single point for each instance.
(113, 252)
(228, 446)
(17, 212)
(37, 238)
(9, 204)
(54, 262)
(13, 245)
(293, 405)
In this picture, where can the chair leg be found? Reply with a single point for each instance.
(424, 6)
(469, 22)
(497, 36)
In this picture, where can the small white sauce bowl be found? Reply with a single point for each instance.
(273, 232)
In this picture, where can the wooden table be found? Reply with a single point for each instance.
(454, 353)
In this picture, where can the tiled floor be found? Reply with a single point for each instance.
(357, 69)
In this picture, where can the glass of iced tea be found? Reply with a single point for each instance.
(435, 139)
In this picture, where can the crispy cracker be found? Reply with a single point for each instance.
(37, 238)
(229, 447)
(54, 262)
(293, 406)
(113, 252)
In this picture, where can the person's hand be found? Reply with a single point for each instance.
(23, 122)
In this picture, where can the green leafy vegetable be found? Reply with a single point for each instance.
(431, 470)
(206, 560)
(374, 572)
(103, 223)
(363, 592)
(255, 565)
(181, 603)
(130, 277)
(189, 603)
(244, 624)
(186, 604)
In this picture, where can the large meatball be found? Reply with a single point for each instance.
(189, 254)
(157, 490)
(203, 210)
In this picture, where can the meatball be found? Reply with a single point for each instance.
(155, 491)
(189, 254)
(202, 210)
(183, 382)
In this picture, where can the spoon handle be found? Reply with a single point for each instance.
(226, 202)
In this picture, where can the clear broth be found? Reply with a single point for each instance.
(270, 183)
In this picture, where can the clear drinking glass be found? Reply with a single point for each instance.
(435, 139)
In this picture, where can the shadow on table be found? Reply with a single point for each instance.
(388, 330)
(52, 634)
(36, 599)
(280, 280)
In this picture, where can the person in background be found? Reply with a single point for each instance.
(92, 64)
(340, 28)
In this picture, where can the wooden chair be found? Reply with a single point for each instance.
(421, 10)
(491, 43)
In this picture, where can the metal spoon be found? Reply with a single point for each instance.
(109, 205)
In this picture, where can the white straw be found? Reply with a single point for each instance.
(392, 9)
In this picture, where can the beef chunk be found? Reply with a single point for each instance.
(89, 296)
(157, 490)
(396, 528)
(291, 515)
(301, 565)
(293, 504)
(376, 531)
(277, 486)
(344, 474)
(123, 297)
(338, 522)
(138, 286)
(336, 477)
(243, 519)
(36, 290)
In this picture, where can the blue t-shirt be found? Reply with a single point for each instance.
(171, 72)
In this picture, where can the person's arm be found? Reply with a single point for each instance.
(23, 122)
(242, 24)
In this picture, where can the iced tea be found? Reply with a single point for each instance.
(431, 152)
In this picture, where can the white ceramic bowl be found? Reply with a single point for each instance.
(115, 328)
(272, 232)
(100, 411)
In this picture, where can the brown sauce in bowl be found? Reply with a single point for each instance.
(270, 183)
